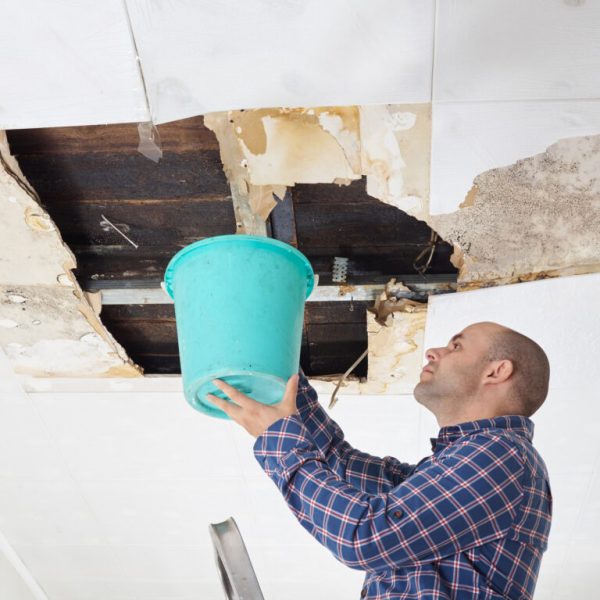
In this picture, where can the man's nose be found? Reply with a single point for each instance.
(433, 354)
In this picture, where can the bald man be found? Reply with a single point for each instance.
(469, 521)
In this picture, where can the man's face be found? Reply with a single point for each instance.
(454, 372)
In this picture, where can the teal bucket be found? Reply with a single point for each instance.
(239, 309)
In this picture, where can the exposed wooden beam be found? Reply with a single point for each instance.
(283, 221)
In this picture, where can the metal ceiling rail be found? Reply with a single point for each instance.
(113, 293)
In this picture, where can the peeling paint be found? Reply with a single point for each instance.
(390, 144)
(50, 328)
(537, 218)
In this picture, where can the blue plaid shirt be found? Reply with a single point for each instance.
(470, 521)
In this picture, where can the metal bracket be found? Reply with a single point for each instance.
(339, 270)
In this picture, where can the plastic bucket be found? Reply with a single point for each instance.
(239, 309)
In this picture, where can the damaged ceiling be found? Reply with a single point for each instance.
(410, 148)
(428, 177)
(124, 217)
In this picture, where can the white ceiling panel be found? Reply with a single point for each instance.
(164, 512)
(27, 450)
(515, 50)
(167, 561)
(128, 588)
(208, 56)
(68, 63)
(124, 436)
(88, 562)
(47, 513)
(470, 138)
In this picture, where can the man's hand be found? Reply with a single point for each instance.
(255, 417)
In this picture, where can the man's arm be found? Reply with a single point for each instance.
(464, 500)
(365, 472)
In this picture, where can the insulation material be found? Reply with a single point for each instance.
(47, 326)
(295, 53)
(537, 218)
(281, 147)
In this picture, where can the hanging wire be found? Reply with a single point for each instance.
(422, 268)
(333, 400)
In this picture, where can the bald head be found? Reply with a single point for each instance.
(531, 369)
(485, 370)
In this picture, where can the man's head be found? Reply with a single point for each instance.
(486, 370)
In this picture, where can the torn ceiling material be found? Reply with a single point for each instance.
(265, 150)
(48, 326)
(537, 218)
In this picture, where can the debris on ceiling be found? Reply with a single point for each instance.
(48, 326)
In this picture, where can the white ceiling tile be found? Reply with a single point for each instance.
(164, 512)
(67, 586)
(150, 588)
(83, 562)
(307, 53)
(471, 138)
(47, 513)
(268, 519)
(292, 562)
(128, 436)
(27, 450)
(168, 562)
(346, 584)
(68, 63)
(509, 50)
(129, 588)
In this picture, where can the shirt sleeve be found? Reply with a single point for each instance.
(464, 500)
(368, 473)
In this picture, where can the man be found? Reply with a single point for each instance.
(470, 521)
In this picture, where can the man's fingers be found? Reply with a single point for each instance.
(233, 393)
(229, 408)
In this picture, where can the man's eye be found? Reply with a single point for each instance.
(456, 345)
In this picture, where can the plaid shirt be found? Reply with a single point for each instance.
(470, 521)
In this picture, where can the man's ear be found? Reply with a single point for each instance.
(498, 371)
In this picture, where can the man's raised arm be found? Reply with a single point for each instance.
(370, 474)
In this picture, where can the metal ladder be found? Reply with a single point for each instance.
(236, 570)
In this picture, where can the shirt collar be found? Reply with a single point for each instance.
(450, 433)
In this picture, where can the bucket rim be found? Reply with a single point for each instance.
(270, 243)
